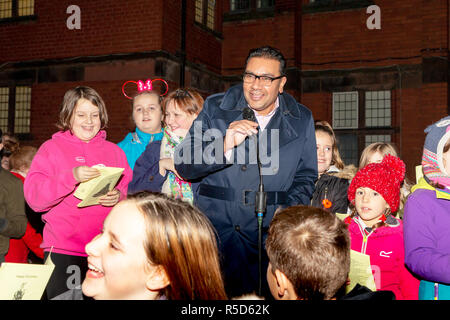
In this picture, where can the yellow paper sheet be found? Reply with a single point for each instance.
(90, 191)
(360, 271)
(21, 281)
(342, 216)
(419, 173)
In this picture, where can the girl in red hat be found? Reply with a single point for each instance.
(375, 195)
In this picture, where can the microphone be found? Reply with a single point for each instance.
(248, 114)
(260, 201)
(260, 196)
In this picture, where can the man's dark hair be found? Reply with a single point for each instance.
(268, 53)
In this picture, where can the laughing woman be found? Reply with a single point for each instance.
(152, 247)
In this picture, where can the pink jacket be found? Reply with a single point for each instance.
(387, 258)
(50, 185)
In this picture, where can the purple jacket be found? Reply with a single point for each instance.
(426, 233)
(50, 185)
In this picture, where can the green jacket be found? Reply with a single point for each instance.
(13, 220)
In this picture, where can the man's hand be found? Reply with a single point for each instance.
(85, 173)
(167, 164)
(110, 199)
(237, 132)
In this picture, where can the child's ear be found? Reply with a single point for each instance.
(282, 282)
(157, 278)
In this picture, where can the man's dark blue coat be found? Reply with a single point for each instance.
(289, 168)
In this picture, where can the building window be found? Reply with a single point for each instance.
(246, 5)
(378, 108)
(16, 8)
(345, 110)
(205, 12)
(371, 138)
(199, 11)
(23, 110)
(348, 147)
(263, 4)
(210, 15)
(313, 6)
(354, 134)
(4, 106)
(15, 109)
(239, 5)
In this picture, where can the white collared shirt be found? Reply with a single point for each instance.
(262, 122)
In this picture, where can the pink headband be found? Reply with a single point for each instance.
(144, 86)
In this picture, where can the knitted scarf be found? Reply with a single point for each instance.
(173, 186)
(432, 160)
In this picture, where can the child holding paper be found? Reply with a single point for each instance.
(59, 166)
(375, 194)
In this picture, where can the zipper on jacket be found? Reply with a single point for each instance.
(365, 238)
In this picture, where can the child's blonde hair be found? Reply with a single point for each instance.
(383, 148)
(325, 127)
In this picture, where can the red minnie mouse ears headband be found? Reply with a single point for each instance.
(144, 86)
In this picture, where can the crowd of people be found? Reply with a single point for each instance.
(239, 193)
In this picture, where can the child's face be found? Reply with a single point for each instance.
(324, 151)
(118, 265)
(370, 205)
(5, 163)
(177, 120)
(376, 157)
(147, 113)
(446, 160)
(85, 122)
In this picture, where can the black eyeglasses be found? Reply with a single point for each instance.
(266, 80)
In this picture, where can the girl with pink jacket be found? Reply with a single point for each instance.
(375, 194)
(60, 165)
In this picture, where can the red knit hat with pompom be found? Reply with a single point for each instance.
(385, 178)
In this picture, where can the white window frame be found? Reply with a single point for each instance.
(333, 109)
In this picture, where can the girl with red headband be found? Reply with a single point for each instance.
(375, 195)
(147, 117)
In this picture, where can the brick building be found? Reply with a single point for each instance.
(371, 84)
